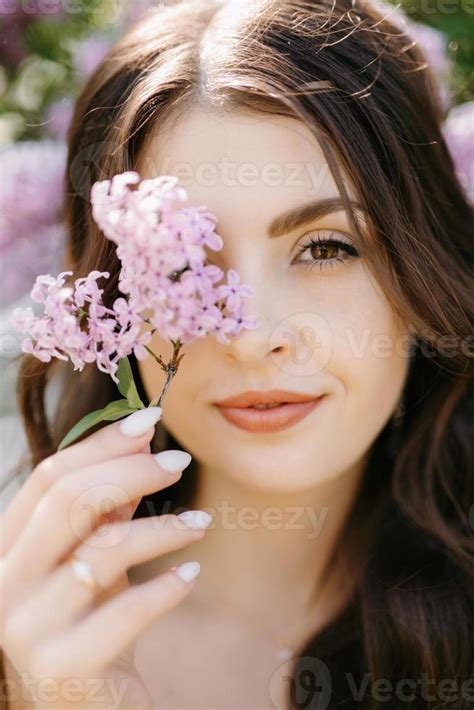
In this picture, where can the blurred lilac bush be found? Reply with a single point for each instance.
(16, 17)
(459, 135)
(31, 203)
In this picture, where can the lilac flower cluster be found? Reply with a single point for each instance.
(164, 268)
(161, 245)
(69, 331)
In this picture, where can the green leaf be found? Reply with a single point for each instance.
(126, 384)
(114, 410)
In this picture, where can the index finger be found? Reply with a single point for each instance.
(128, 436)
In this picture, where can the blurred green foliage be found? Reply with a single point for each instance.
(37, 60)
(455, 18)
(38, 55)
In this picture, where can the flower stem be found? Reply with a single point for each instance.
(171, 369)
(156, 357)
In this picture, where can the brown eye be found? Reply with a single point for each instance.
(326, 253)
(324, 250)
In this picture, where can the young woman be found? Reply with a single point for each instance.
(337, 571)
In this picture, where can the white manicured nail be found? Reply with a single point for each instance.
(196, 519)
(173, 460)
(139, 422)
(188, 571)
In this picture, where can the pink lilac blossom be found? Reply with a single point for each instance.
(234, 291)
(68, 331)
(163, 266)
(161, 245)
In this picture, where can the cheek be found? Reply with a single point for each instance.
(354, 329)
(370, 358)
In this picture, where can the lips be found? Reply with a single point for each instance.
(251, 419)
(251, 397)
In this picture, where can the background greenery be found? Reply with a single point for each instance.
(45, 55)
(455, 18)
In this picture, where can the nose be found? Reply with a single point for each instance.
(257, 345)
(254, 347)
(298, 342)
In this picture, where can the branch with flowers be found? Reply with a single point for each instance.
(167, 286)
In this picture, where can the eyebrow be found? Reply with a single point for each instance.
(304, 214)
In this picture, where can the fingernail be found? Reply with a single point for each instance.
(188, 571)
(196, 519)
(139, 422)
(173, 460)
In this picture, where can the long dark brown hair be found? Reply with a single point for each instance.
(361, 85)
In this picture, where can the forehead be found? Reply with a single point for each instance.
(239, 165)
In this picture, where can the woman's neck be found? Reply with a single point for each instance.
(264, 555)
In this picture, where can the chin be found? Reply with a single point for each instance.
(265, 472)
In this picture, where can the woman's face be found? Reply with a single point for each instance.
(326, 329)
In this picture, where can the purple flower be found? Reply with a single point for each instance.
(234, 291)
(161, 244)
(220, 326)
(201, 279)
(48, 286)
(164, 268)
(76, 325)
(458, 131)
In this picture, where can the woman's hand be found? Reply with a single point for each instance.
(55, 631)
